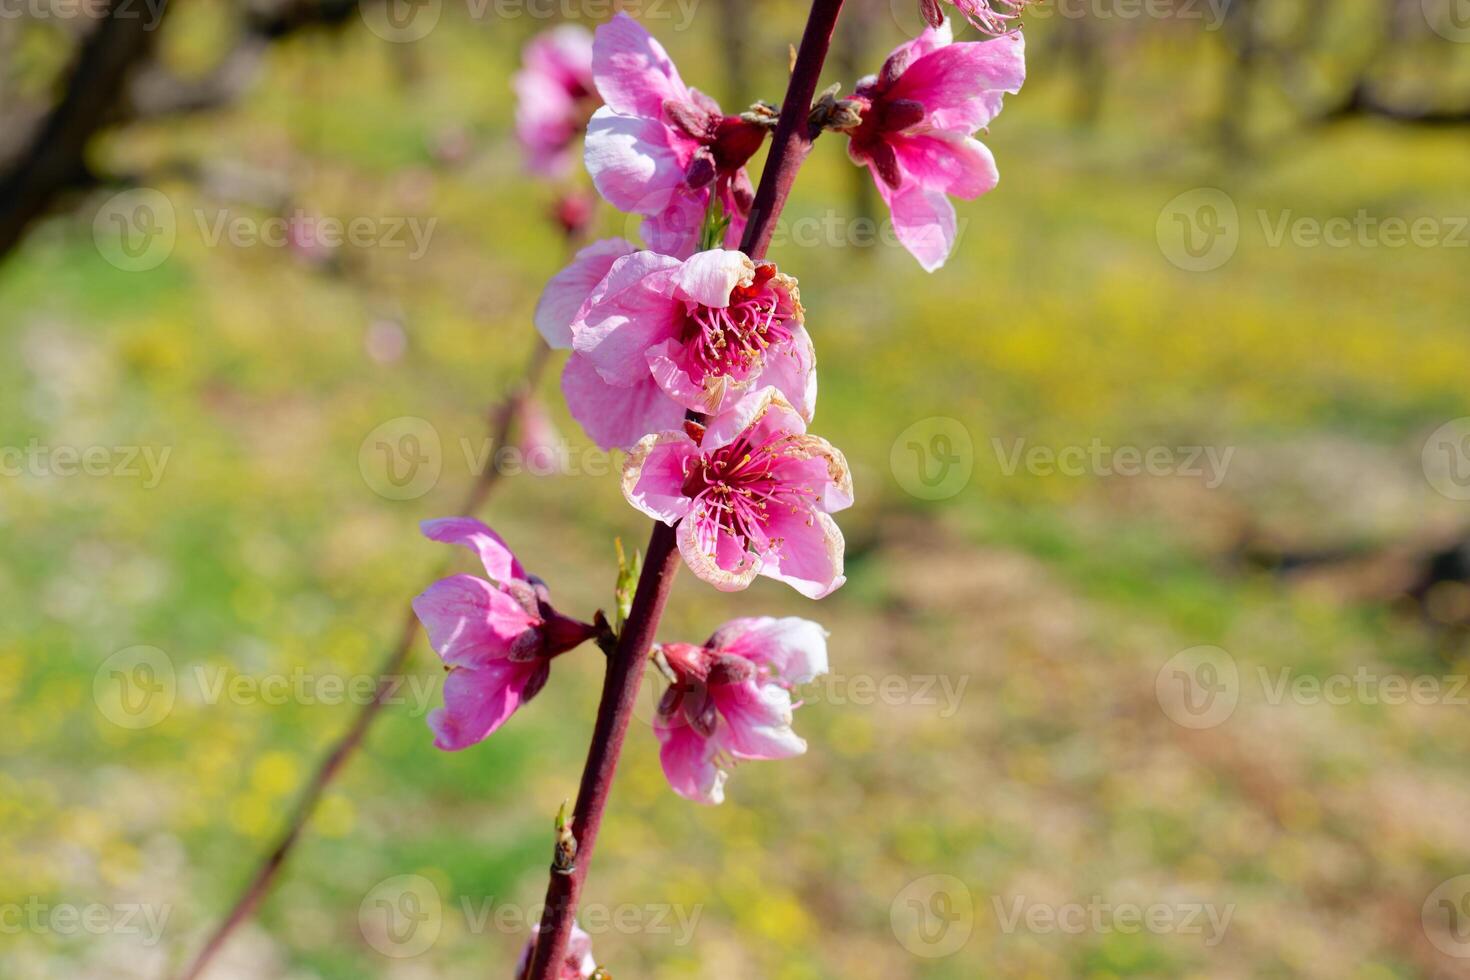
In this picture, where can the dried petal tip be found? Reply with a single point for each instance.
(762, 113)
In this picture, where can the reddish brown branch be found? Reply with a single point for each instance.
(789, 147)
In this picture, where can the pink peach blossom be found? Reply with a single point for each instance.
(918, 115)
(497, 637)
(578, 963)
(752, 494)
(660, 148)
(661, 336)
(730, 700)
(555, 96)
(993, 17)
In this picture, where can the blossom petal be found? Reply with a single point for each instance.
(616, 417)
(634, 73)
(708, 277)
(634, 162)
(467, 532)
(714, 556)
(653, 475)
(571, 287)
(632, 309)
(923, 220)
(809, 558)
(479, 700)
(689, 761)
(957, 165)
(755, 721)
(961, 86)
(795, 648)
(470, 622)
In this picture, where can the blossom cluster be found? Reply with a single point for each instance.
(695, 359)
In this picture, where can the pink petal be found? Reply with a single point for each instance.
(763, 407)
(674, 226)
(755, 721)
(932, 39)
(714, 556)
(708, 278)
(635, 163)
(653, 475)
(810, 555)
(961, 86)
(923, 220)
(796, 649)
(634, 74)
(793, 372)
(570, 288)
(632, 309)
(957, 165)
(467, 532)
(667, 365)
(616, 417)
(479, 700)
(688, 761)
(470, 622)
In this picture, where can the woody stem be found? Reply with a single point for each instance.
(789, 147)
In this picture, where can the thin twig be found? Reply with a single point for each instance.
(269, 867)
(789, 147)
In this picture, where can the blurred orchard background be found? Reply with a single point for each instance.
(1152, 661)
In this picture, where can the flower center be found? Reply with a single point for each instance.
(740, 489)
(732, 341)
